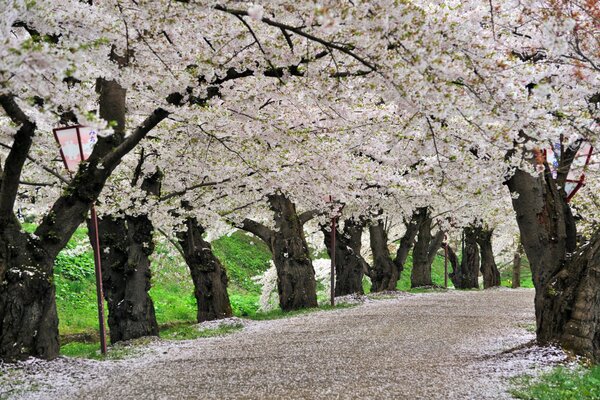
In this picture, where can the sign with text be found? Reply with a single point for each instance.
(76, 144)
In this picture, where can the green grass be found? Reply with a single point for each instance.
(560, 384)
(279, 314)
(172, 289)
(437, 273)
(188, 332)
(92, 350)
(243, 256)
(120, 351)
(506, 274)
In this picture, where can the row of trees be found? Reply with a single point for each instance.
(219, 114)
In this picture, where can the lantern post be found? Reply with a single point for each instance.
(76, 144)
(446, 261)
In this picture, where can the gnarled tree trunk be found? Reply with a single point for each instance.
(489, 270)
(424, 253)
(453, 259)
(408, 239)
(384, 273)
(210, 279)
(466, 277)
(350, 266)
(125, 245)
(566, 278)
(296, 282)
(28, 318)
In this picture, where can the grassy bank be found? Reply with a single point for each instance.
(560, 384)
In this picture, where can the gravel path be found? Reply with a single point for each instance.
(425, 346)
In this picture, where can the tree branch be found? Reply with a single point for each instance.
(16, 157)
(346, 49)
(258, 229)
(307, 216)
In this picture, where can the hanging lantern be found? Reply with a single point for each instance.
(76, 144)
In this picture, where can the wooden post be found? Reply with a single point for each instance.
(446, 263)
(99, 289)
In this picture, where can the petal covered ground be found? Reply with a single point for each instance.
(423, 346)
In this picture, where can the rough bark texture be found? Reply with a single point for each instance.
(29, 324)
(424, 252)
(350, 266)
(296, 282)
(28, 318)
(466, 277)
(566, 279)
(125, 245)
(453, 259)
(384, 273)
(210, 279)
(489, 270)
(408, 239)
(516, 271)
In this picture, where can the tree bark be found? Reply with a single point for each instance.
(489, 270)
(296, 282)
(384, 273)
(453, 259)
(350, 266)
(408, 239)
(126, 243)
(125, 247)
(28, 317)
(208, 274)
(566, 278)
(468, 270)
(424, 252)
(29, 322)
(516, 272)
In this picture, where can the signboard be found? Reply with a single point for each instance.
(76, 144)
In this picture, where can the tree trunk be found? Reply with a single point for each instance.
(296, 282)
(566, 279)
(125, 245)
(424, 253)
(408, 239)
(349, 264)
(516, 272)
(453, 259)
(28, 318)
(384, 273)
(468, 272)
(489, 270)
(210, 279)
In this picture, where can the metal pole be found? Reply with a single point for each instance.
(99, 289)
(333, 230)
(446, 264)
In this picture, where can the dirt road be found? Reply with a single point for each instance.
(424, 346)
